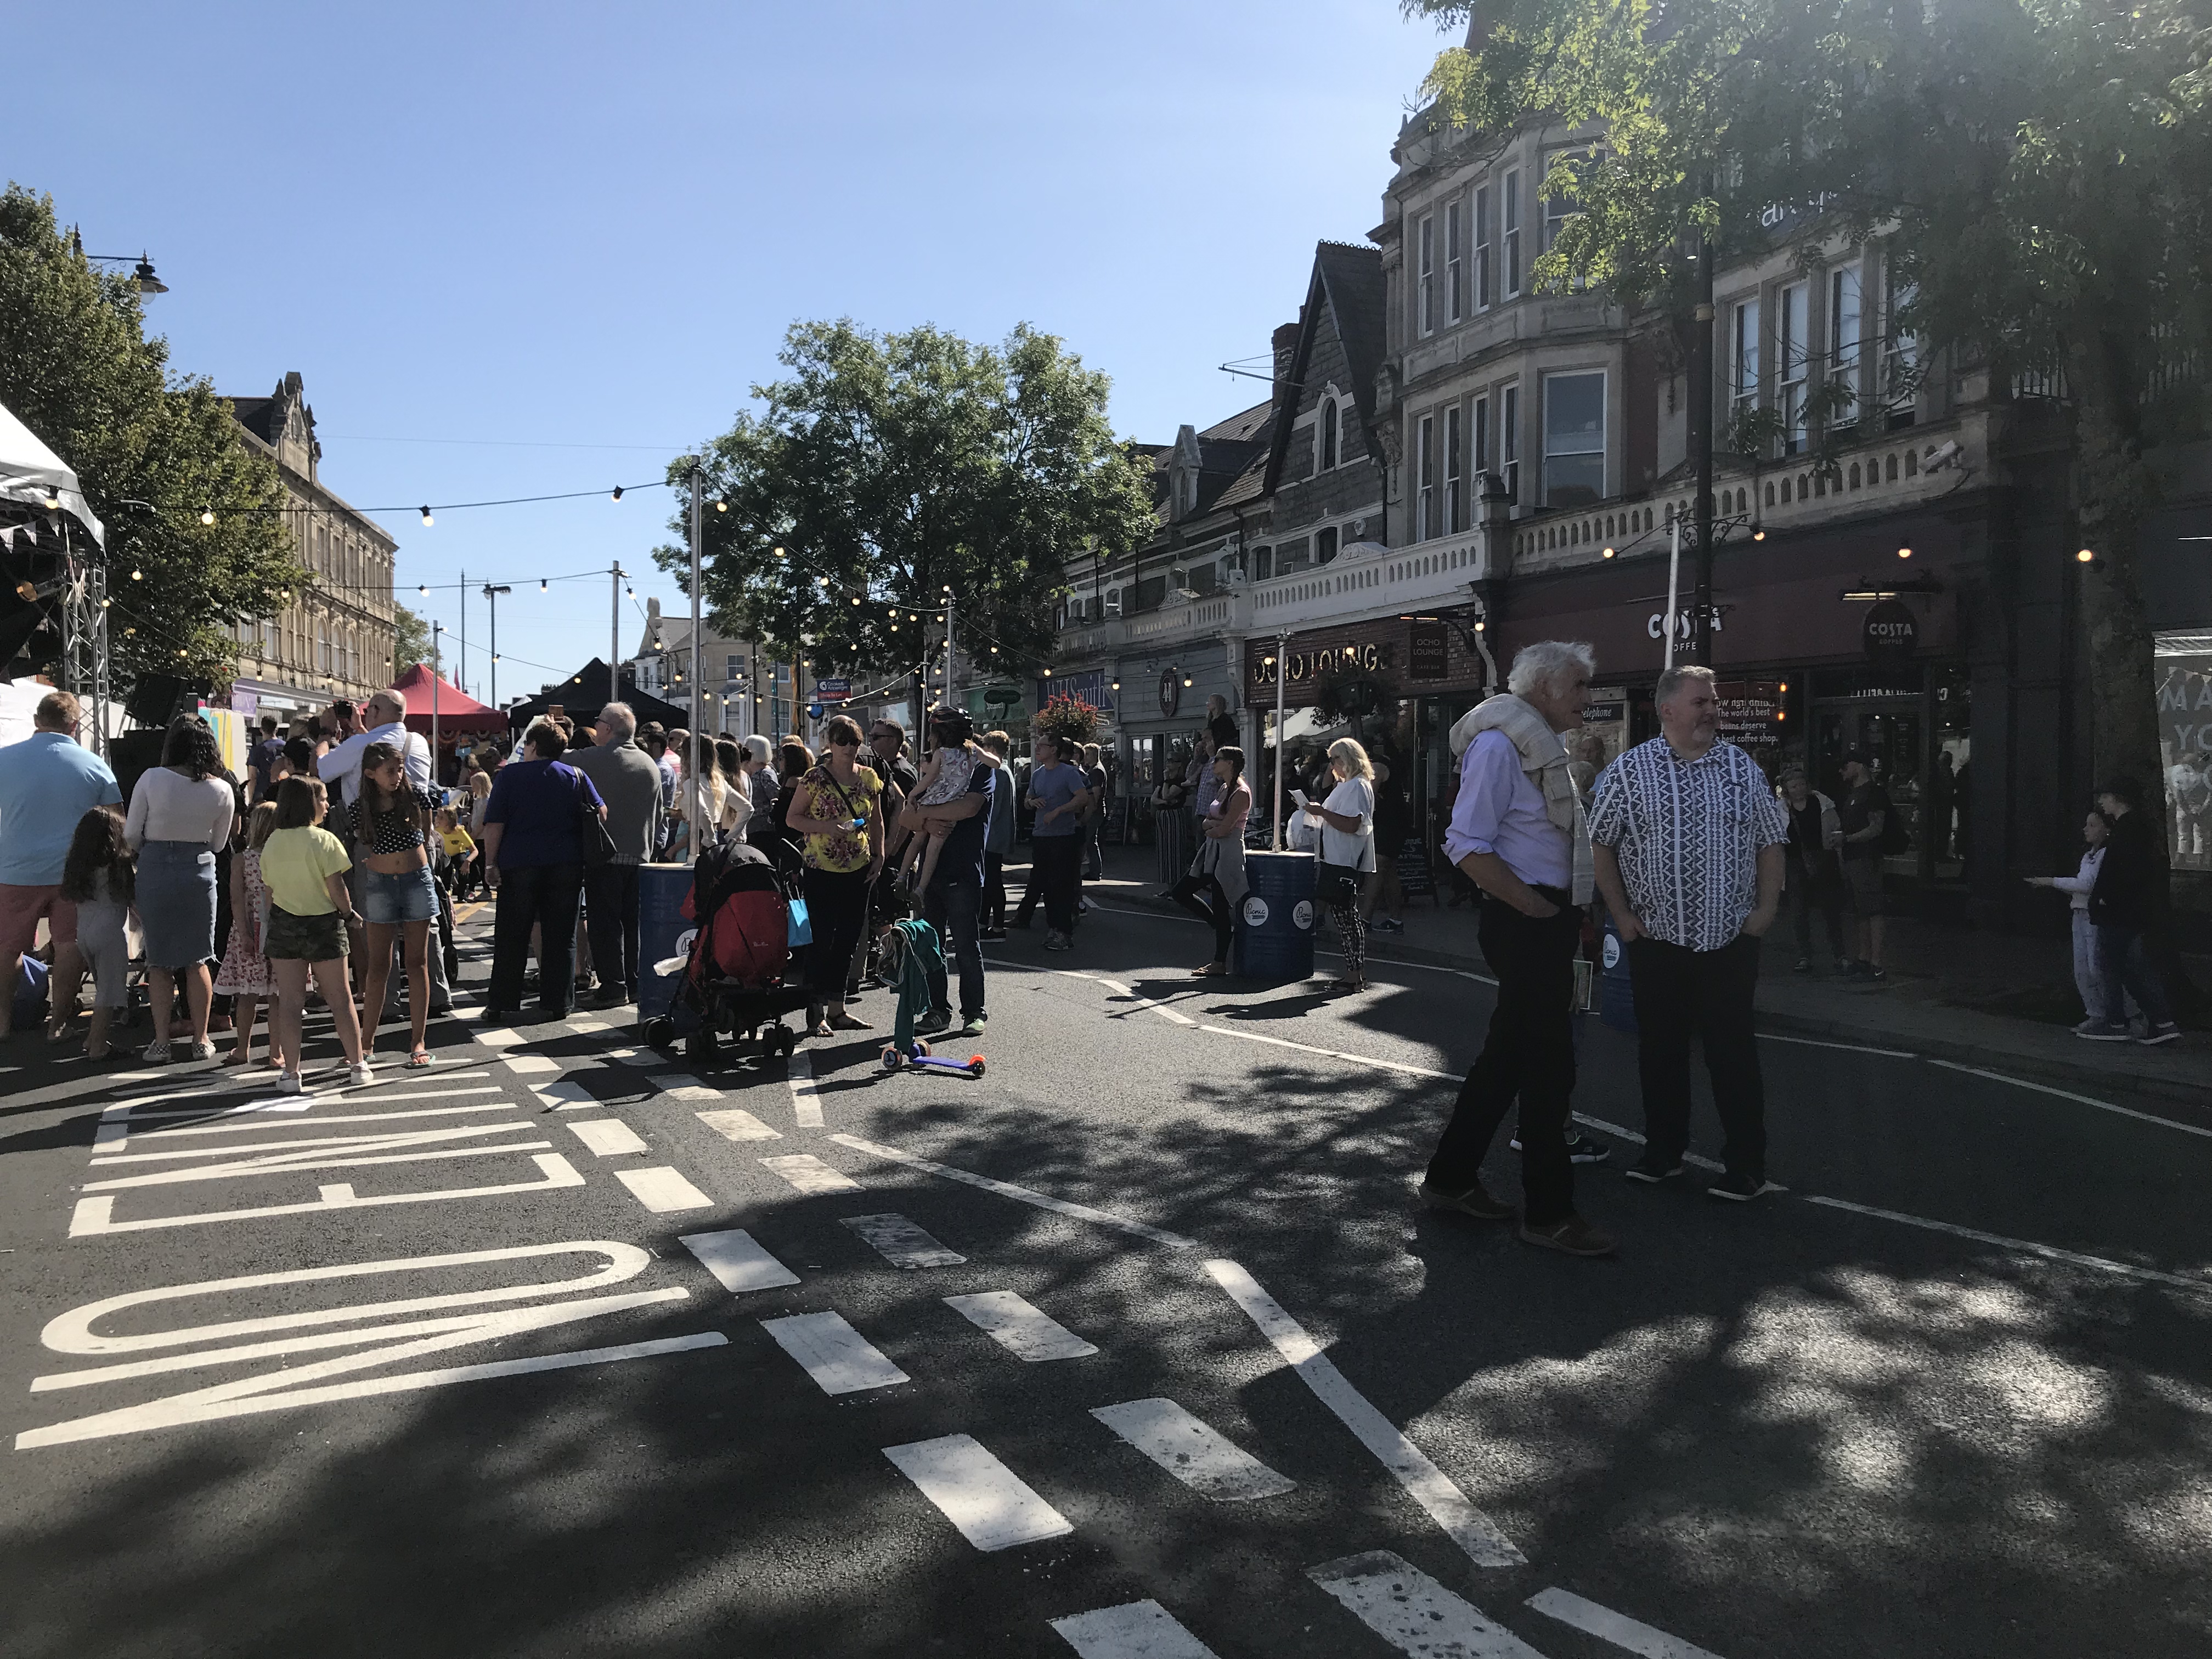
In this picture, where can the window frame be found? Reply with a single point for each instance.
(1603, 451)
(1743, 355)
(1424, 463)
(1328, 537)
(1792, 337)
(1510, 229)
(1425, 303)
(1480, 457)
(1328, 436)
(1482, 201)
(1455, 470)
(1846, 345)
(1508, 439)
(1454, 269)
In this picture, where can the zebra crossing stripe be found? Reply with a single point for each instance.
(1023, 1331)
(838, 1358)
(1209, 1464)
(737, 1258)
(990, 1504)
(900, 1243)
(735, 1124)
(1617, 1628)
(1412, 1611)
(662, 1191)
(609, 1137)
(810, 1174)
(1136, 1630)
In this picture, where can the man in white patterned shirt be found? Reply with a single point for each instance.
(1687, 838)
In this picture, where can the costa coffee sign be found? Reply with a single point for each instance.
(1891, 631)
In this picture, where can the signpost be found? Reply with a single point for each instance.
(832, 690)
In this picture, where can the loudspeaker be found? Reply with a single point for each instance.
(130, 754)
(157, 699)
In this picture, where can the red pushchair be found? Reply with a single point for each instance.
(742, 977)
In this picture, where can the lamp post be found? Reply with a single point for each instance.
(492, 593)
(437, 674)
(142, 275)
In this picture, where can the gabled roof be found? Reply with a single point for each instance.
(1346, 288)
(1230, 456)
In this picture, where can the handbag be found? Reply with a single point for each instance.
(594, 844)
(798, 925)
(1336, 883)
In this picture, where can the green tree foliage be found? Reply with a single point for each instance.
(888, 467)
(76, 368)
(2041, 164)
(411, 643)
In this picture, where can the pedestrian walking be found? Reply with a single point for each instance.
(629, 783)
(1814, 877)
(99, 878)
(1864, 813)
(998, 835)
(1347, 855)
(1519, 834)
(391, 823)
(181, 813)
(952, 893)
(304, 867)
(244, 976)
(2089, 978)
(836, 812)
(1094, 816)
(1687, 839)
(1060, 795)
(2124, 904)
(1214, 886)
(48, 782)
(535, 865)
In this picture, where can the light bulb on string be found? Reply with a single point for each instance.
(541, 583)
(617, 492)
(136, 574)
(721, 507)
(427, 519)
(207, 515)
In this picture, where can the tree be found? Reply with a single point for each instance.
(154, 451)
(890, 467)
(411, 643)
(2040, 163)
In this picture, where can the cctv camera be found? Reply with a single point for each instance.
(1946, 455)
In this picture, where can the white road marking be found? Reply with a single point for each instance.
(1332, 1053)
(1136, 1630)
(2028, 1246)
(662, 1191)
(1159, 1008)
(1023, 1331)
(534, 1065)
(95, 1216)
(2068, 1094)
(567, 1096)
(900, 1243)
(810, 1174)
(1428, 1486)
(1412, 1611)
(977, 1493)
(588, 1023)
(1851, 1048)
(734, 1124)
(838, 1358)
(738, 1260)
(310, 1152)
(609, 1137)
(805, 1098)
(1209, 1464)
(1618, 1629)
(1019, 1195)
(499, 1037)
(1625, 1134)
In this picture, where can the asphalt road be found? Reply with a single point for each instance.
(475, 1394)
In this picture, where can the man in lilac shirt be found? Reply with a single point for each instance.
(1505, 836)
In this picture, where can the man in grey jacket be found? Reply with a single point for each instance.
(629, 781)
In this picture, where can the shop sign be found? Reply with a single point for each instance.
(1752, 714)
(1090, 686)
(1655, 623)
(1891, 631)
(832, 690)
(1325, 659)
(1170, 693)
(1428, 651)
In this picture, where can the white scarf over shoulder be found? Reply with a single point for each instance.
(1544, 759)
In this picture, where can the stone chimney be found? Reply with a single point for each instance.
(1286, 342)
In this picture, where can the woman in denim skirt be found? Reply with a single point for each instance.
(398, 895)
(181, 812)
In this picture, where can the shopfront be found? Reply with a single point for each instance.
(1163, 699)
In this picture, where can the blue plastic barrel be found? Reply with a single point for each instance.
(662, 931)
(1616, 994)
(1276, 922)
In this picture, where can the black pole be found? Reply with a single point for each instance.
(1701, 443)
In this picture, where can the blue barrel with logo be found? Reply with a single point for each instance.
(662, 931)
(1616, 994)
(1275, 923)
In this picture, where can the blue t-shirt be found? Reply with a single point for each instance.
(1056, 786)
(534, 801)
(47, 782)
(961, 862)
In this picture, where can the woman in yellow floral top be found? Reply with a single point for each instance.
(837, 814)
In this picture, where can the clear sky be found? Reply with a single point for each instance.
(515, 249)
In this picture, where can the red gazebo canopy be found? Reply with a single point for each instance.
(456, 710)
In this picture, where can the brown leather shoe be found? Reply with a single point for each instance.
(1574, 1235)
(1474, 1201)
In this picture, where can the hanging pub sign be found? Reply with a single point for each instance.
(1428, 651)
(1891, 632)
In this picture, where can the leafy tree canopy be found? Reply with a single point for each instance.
(888, 467)
(152, 450)
(411, 643)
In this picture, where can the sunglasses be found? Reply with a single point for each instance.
(845, 743)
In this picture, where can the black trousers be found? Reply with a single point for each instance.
(1681, 994)
(1057, 871)
(837, 908)
(994, 890)
(1529, 1053)
(533, 895)
(610, 918)
(1806, 896)
(1203, 897)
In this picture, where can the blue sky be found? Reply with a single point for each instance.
(503, 242)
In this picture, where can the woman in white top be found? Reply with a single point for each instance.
(1347, 854)
(2095, 831)
(180, 816)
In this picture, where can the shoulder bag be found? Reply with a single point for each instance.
(594, 844)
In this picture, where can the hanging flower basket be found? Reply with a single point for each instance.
(1067, 719)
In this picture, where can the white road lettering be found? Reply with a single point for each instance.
(95, 1216)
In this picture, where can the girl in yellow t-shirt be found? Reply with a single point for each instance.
(835, 813)
(303, 865)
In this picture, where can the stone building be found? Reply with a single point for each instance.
(336, 639)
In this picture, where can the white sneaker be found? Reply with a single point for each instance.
(157, 1053)
(204, 1050)
(289, 1083)
(359, 1075)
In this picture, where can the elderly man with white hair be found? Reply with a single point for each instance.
(628, 781)
(1517, 832)
(1688, 840)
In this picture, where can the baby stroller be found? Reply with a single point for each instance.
(741, 978)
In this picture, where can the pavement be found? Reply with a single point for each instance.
(1137, 1345)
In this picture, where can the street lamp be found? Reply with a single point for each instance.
(141, 274)
(492, 593)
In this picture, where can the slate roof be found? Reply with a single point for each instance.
(253, 414)
(1346, 288)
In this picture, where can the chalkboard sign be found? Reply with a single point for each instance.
(1413, 869)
